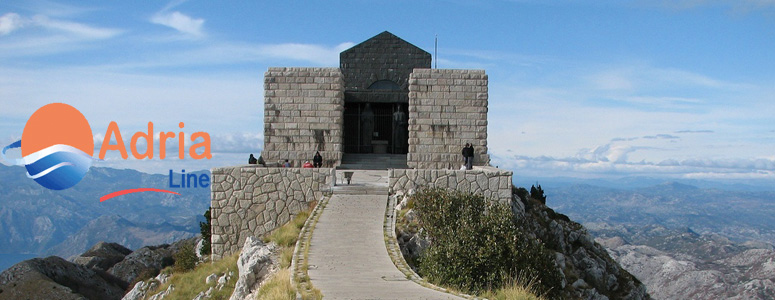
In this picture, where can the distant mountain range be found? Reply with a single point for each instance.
(36, 220)
(738, 215)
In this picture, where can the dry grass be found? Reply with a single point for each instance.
(286, 235)
(278, 287)
(515, 290)
(189, 284)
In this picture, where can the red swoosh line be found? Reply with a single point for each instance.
(129, 191)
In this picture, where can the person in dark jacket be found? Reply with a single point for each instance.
(468, 156)
(252, 160)
(317, 160)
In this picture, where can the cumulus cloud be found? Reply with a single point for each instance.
(180, 22)
(604, 167)
(10, 22)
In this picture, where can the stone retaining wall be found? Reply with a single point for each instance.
(447, 109)
(491, 182)
(251, 201)
(303, 113)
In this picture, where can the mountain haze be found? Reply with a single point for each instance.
(36, 220)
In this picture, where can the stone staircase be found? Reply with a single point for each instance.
(351, 161)
(360, 190)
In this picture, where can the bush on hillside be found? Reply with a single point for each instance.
(204, 228)
(185, 259)
(476, 244)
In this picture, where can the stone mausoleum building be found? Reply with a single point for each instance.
(385, 108)
(383, 99)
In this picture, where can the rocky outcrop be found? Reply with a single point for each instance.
(588, 271)
(102, 272)
(254, 264)
(102, 256)
(147, 258)
(142, 288)
(56, 278)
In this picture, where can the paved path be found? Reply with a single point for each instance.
(347, 255)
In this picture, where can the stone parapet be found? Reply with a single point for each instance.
(490, 182)
(447, 109)
(252, 201)
(303, 113)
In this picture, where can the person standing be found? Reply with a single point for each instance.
(317, 161)
(468, 156)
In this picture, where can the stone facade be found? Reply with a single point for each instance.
(447, 109)
(490, 182)
(302, 114)
(251, 201)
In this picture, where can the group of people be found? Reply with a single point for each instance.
(317, 161)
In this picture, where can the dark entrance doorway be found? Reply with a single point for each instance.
(376, 128)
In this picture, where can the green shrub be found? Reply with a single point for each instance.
(476, 244)
(204, 228)
(185, 259)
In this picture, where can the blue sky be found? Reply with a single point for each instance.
(586, 89)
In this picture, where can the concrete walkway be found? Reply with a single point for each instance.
(347, 254)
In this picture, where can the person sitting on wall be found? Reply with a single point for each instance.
(317, 160)
(286, 164)
(252, 160)
(261, 161)
(307, 165)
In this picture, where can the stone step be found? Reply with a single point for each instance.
(373, 161)
(360, 190)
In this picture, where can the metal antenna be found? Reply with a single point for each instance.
(436, 52)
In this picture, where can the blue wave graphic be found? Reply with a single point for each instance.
(14, 145)
(58, 167)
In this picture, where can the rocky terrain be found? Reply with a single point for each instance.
(681, 241)
(686, 265)
(35, 220)
(587, 270)
(105, 271)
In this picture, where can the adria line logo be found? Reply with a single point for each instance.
(57, 149)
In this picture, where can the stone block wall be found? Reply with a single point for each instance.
(491, 182)
(382, 57)
(303, 113)
(447, 109)
(252, 201)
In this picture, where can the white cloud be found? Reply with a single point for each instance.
(10, 22)
(180, 22)
(305, 52)
(64, 30)
(74, 28)
(241, 53)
